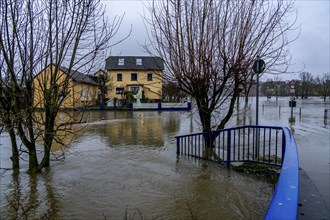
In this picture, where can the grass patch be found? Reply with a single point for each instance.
(263, 171)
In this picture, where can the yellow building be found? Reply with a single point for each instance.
(82, 89)
(140, 75)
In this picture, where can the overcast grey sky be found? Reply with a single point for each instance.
(310, 52)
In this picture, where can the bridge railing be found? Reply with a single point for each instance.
(262, 144)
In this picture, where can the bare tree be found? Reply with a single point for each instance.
(209, 48)
(306, 84)
(34, 35)
(171, 93)
(323, 85)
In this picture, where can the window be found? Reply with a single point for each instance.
(82, 94)
(86, 95)
(119, 90)
(134, 77)
(121, 61)
(138, 61)
(134, 89)
(149, 77)
(91, 95)
(119, 77)
(61, 99)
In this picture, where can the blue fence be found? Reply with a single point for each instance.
(161, 106)
(262, 144)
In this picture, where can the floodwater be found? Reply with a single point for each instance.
(123, 164)
(311, 132)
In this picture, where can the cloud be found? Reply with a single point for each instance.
(310, 51)
(312, 48)
(133, 20)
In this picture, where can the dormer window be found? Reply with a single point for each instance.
(139, 61)
(121, 62)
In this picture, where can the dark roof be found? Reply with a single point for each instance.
(100, 71)
(148, 63)
(78, 76)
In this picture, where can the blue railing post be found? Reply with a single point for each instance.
(177, 145)
(228, 147)
(283, 144)
(189, 106)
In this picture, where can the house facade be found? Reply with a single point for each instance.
(82, 89)
(140, 75)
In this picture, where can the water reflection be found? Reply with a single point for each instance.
(131, 128)
(30, 197)
(64, 127)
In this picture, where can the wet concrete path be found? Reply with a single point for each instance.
(311, 205)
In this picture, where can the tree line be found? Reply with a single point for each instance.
(306, 86)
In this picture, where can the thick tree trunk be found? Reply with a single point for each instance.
(33, 160)
(46, 158)
(205, 115)
(205, 118)
(49, 134)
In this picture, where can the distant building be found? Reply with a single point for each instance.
(136, 74)
(82, 89)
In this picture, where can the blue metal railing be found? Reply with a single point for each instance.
(262, 144)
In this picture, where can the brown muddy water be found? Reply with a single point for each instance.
(123, 166)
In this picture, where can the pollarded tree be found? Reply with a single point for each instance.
(35, 35)
(209, 48)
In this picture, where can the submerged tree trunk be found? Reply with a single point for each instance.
(8, 123)
(49, 136)
(246, 101)
(14, 150)
(33, 161)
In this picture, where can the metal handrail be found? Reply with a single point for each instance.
(254, 143)
(284, 203)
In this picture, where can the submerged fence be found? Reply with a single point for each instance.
(262, 144)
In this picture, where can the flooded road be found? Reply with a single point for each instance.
(311, 132)
(124, 164)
